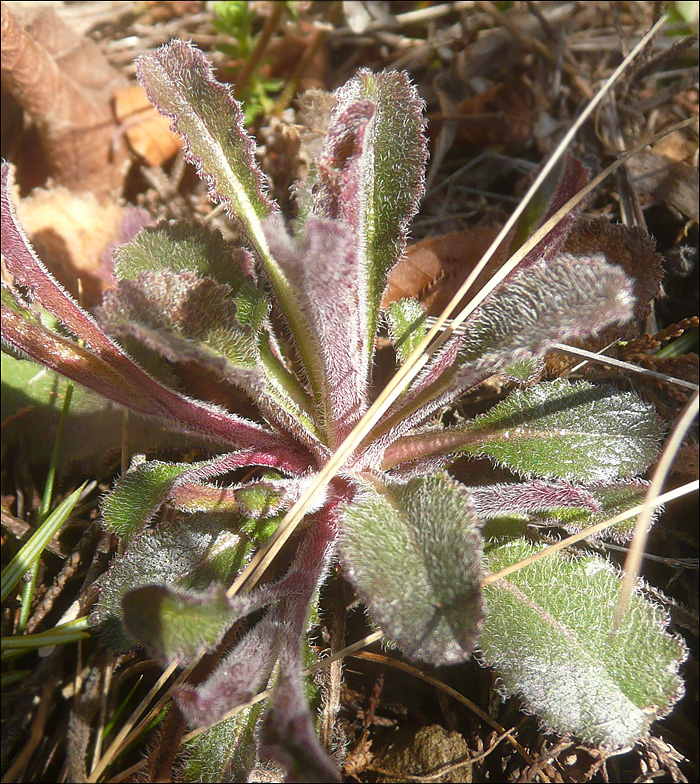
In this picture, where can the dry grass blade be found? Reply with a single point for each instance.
(431, 342)
(120, 741)
(409, 668)
(633, 561)
(603, 360)
(650, 504)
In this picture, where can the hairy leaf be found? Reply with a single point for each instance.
(140, 492)
(567, 298)
(423, 536)
(100, 365)
(555, 429)
(407, 325)
(383, 196)
(180, 83)
(247, 668)
(287, 733)
(189, 319)
(226, 752)
(547, 633)
(530, 497)
(191, 552)
(184, 247)
(613, 498)
(371, 175)
(242, 673)
(568, 431)
(569, 177)
(175, 624)
(323, 267)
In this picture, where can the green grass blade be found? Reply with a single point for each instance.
(33, 549)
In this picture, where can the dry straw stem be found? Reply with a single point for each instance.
(652, 503)
(601, 359)
(633, 562)
(431, 342)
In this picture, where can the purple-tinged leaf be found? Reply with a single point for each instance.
(564, 183)
(339, 190)
(566, 299)
(197, 497)
(28, 270)
(530, 497)
(240, 676)
(632, 249)
(254, 500)
(131, 387)
(190, 319)
(613, 498)
(556, 429)
(180, 82)
(287, 734)
(176, 624)
(324, 269)
(413, 552)
(371, 174)
(101, 365)
(246, 670)
(139, 493)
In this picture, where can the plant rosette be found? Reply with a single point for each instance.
(288, 319)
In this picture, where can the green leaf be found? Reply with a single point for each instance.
(175, 624)
(184, 246)
(567, 431)
(614, 498)
(191, 552)
(190, 319)
(547, 633)
(226, 752)
(373, 178)
(138, 495)
(413, 553)
(567, 298)
(181, 84)
(407, 326)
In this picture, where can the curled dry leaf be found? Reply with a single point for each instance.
(434, 268)
(65, 84)
(74, 232)
(147, 131)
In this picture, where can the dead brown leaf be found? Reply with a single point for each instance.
(502, 117)
(434, 268)
(65, 85)
(74, 232)
(147, 131)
